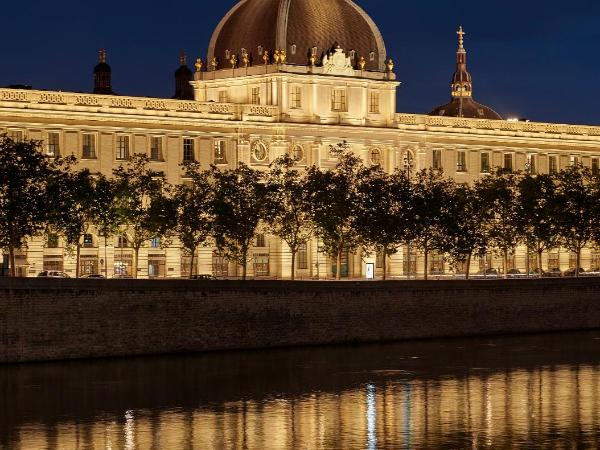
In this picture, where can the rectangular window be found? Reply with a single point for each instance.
(220, 152)
(16, 135)
(553, 261)
(255, 97)
(437, 265)
(156, 266)
(410, 262)
(437, 159)
(88, 241)
(552, 164)
(374, 103)
(379, 260)
(122, 148)
(53, 144)
(595, 166)
(188, 150)
(220, 265)
(261, 241)
(156, 148)
(338, 100)
(302, 257)
(155, 242)
(122, 242)
(89, 146)
(223, 97)
(575, 160)
(261, 265)
(508, 162)
(461, 161)
(485, 162)
(53, 263)
(89, 265)
(595, 264)
(123, 264)
(52, 241)
(296, 97)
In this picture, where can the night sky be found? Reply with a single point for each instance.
(534, 59)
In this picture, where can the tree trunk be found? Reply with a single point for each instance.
(527, 266)
(338, 265)
(134, 269)
(505, 257)
(11, 261)
(539, 257)
(293, 276)
(192, 263)
(468, 270)
(105, 256)
(384, 264)
(77, 260)
(244, 264)
(426, 277)
(578, 259)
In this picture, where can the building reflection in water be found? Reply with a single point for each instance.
(546, 406)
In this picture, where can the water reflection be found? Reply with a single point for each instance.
(519, 393)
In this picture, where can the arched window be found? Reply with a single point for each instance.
(375, 156)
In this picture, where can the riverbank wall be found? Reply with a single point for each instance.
(47, 319)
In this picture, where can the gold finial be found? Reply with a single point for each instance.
(182, 58)
(102, 55)
(282, 56)
(461, 38)
(198, 65)
(233, 61)
(265, 57)
(390, 65)
(362, 62)
(246, 59)
(312, 59)
(214, 63)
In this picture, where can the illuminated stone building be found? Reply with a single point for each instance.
(282, 76)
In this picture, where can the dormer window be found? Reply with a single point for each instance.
(352, 54)
(293, 49)
(260, 50)
(244, 52)
(227, 54)
(372, 56)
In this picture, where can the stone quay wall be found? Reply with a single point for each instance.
(47, 319)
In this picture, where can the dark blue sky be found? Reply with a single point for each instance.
(534, 59)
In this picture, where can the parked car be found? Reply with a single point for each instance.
(203, 277)
(594, 272)
(97, 276)
(490, 273)
(516, 273)
(571, 272)
(553, 273)
(52, 274)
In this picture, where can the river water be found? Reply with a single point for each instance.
(531, 392)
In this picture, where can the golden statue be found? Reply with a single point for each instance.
(198, 65)
(246, 59)
(233, 61)
(362, 62)
(390, 65)
(214, 63)
(265, 57)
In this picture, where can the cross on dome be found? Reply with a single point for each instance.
(461, 38)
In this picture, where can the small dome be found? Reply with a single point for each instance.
(466, 107)
(298, 27)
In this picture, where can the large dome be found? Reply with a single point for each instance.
(298, 26)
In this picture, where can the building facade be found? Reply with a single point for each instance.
(298, 86)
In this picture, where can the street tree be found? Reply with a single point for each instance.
(71, 200)
(334, 205)
(463, 227)
(106, 215)
(497, 194)
(288, 207)
(575, 206)
(140, 196)
(238, 208)
(428, 205)
(24, 205)
(384, 214)
(192, 210)
(537, 215)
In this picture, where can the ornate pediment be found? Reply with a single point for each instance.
(337, 63)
